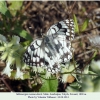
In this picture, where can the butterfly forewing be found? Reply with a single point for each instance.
(65, 27)
(52, 49)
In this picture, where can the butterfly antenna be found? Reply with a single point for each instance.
(41, 29)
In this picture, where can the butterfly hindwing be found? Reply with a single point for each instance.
(32, 55)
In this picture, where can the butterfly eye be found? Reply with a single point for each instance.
(32, 47)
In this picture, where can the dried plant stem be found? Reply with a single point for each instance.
(73, 6)
(27, 6)
(79, 37)
(87, 52)
(82, 36)
(2, 79)
(85, 74)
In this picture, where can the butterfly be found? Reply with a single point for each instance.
(53, 48)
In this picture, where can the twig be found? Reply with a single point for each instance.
(27, 6)
(82, 36)
(2, 79)
(78, 73)
(73, 6)
(79, 37)
(84, 53)
(91, 29)
(86, 74)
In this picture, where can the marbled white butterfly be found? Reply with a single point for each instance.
(53, 49)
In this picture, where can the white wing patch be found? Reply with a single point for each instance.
(52, 49)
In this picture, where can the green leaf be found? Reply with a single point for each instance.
(15, 6)
(49, 85)
(26, 75)
(84, 25)
(75, 84)
(76, 25)
(4, 55)
(13, 73)
(96, 82)
(3, 7)
(87, 84)
(95, 67)
(22, 33)
(86, 70)
(94, 54)
(74, 87)
(26, 43)
(2, 48)
(3, 38)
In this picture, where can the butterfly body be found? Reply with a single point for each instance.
(53, 48)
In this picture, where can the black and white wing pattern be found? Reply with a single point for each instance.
(52, 49)
(63, 28)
